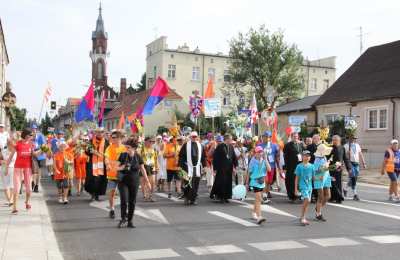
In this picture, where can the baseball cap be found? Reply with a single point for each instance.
(34, 126)
(258, 149)
(307, 153)
(267, 133)
(60, 132)
(394, 141)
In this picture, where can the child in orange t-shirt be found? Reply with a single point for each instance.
(80, 170)
(60, 175)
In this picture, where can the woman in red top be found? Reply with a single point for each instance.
(23, 167)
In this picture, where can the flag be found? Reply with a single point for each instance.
(47, 93)
(103, 105)
(210, 90)
(85, 109)
(121, 124)
(158, 93)
(253, 108)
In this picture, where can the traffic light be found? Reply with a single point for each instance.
(53, 105)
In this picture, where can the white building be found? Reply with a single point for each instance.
(4, 61)
(187, 70)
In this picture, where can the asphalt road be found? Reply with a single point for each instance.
(167, 229)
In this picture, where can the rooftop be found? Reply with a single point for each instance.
(305, 103)
(374, 75)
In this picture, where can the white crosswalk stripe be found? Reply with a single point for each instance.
(265, 208)
(389, 239)
(278, 245)
(334, 241)
(233, 219)
(149, 254)
(163, 195)
(211, 250)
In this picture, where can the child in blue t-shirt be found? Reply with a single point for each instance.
(305, 172)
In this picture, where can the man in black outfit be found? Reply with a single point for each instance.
(338, 158)
(292, 153)
(191, 159)
(224, 163)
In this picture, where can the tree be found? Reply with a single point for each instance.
(263, 60)
(45, 124)
(142, 84)
(18, 118)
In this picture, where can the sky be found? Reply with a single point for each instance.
(48, 41)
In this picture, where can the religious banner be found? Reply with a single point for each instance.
(196, 104)
(212, 107)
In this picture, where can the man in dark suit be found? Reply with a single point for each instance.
(339, 160)
(292, 154)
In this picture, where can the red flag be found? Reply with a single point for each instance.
(121, 124)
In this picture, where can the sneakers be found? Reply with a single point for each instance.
(391, 198)
(112, 214)
(261, 220)
(130, 225)
(254, 216)
(304, 222)
(320, 218)
(60, 200)
(66, 202)
(356, 198)
(122, 223)
(266, 201)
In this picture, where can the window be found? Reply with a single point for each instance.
(326, 83)
(326, 72)
(211, 74)
(99, 70)
(227, 100)
(171, 71)
(212, 61)
(154, 71)
(330, 118)
(172, 56)
(227, 76)
(196, 73)
(313, 84)
(377, 118)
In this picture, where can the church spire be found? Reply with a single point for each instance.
(99, 25)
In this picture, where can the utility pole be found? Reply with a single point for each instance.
(361, 39)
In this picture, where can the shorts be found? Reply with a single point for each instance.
(393, 176)
(24, 174)
(62, 184)
(7, 181)
(149, 171)
(270, 177)
(306, 194)
(112, 184)
(42, 163)
(172, 175)
(355, 170)
(256, 189)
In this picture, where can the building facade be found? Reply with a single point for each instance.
(368, 92)
(66, 114)
(4, 61)
(188, 70)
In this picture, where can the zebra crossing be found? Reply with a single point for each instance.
(261, 246)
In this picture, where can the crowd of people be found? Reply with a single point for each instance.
(110, 163)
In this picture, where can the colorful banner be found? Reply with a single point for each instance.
(212, 107)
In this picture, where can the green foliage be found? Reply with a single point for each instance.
(142, 84)
(162, 129)
(337, 128)
(45, 124)
(304, 131)
(18, 118)
(263, 60)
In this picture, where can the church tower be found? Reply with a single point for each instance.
(99, 53)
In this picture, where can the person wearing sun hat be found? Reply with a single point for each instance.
(322, 179)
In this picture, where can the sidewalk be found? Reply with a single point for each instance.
(372, 176)
(28, 235)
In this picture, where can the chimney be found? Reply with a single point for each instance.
(122, 91)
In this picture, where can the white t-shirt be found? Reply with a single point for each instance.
(354, 152)
(3, 139)
(242, 162)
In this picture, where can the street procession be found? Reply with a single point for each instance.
(256, 149)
